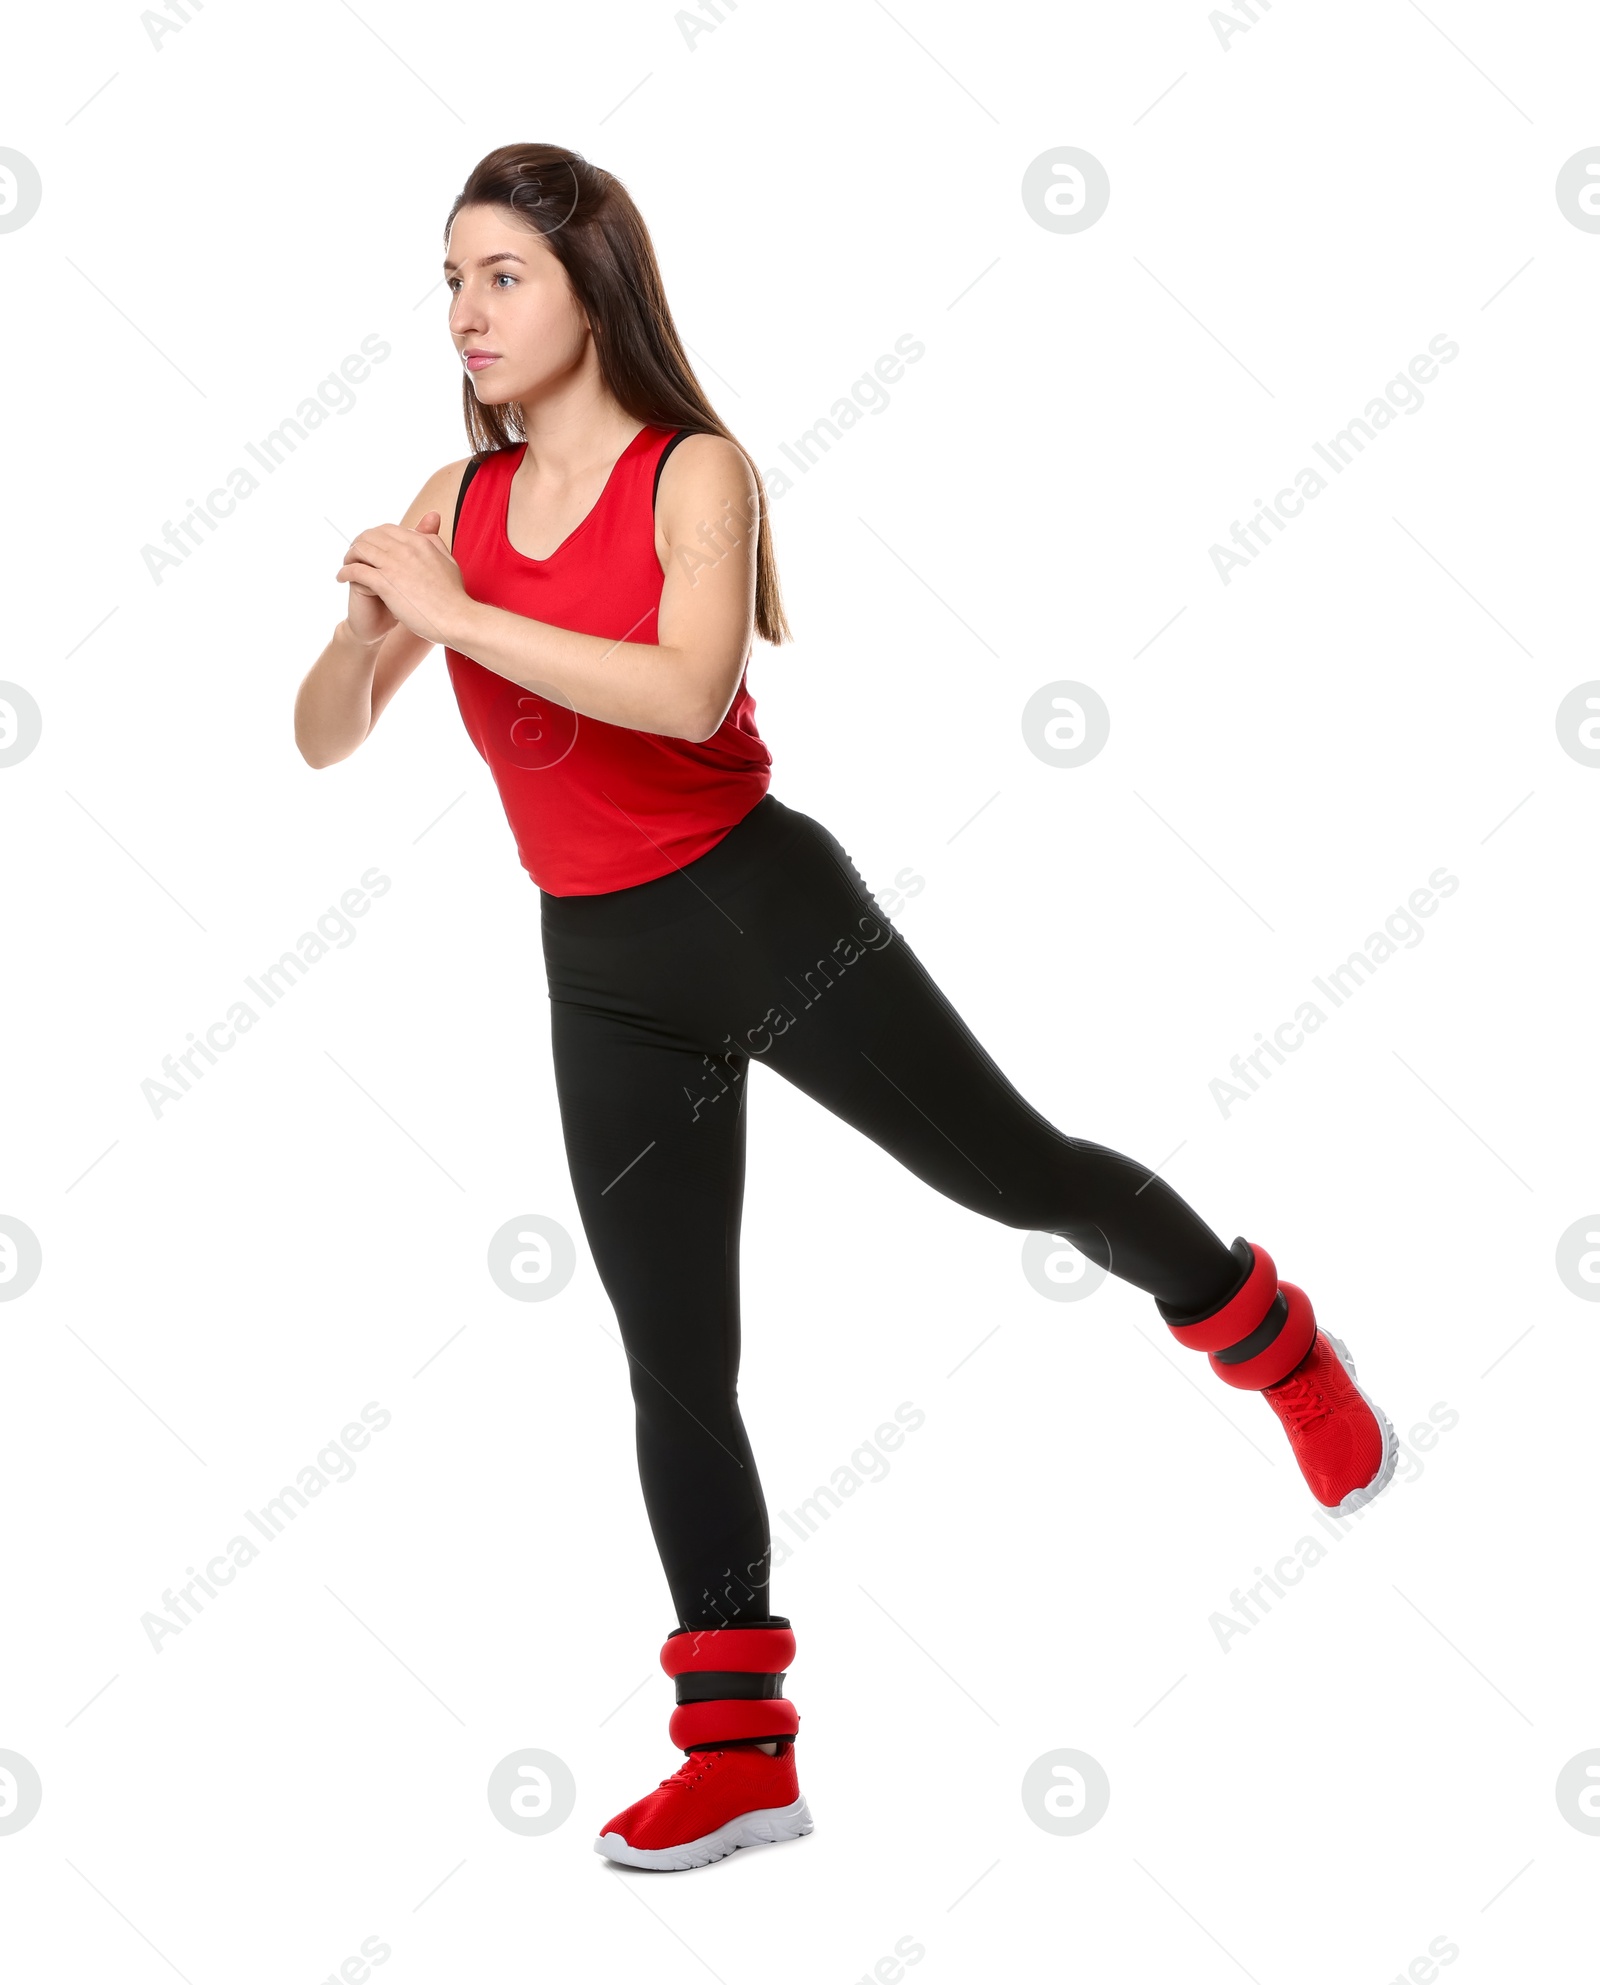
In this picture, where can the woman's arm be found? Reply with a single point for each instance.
(371, 651)
(682, 684)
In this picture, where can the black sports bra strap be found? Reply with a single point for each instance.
(470, 471)
(661, 460)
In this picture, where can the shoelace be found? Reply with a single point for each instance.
(694, 1766)
(1305, 1401)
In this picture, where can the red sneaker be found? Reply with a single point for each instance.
(1344, 1444)
(714, 1802)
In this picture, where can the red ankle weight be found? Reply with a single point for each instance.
(1226, 1332)
(1281, 1356)
(730, 1684)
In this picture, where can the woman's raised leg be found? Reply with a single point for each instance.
(833, 997)
(810, 976)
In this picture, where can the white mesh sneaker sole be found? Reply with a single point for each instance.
(757, 1829)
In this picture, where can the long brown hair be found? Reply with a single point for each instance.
(587, 219)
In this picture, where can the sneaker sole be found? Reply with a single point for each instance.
(1358, 1498)
(760, 1828)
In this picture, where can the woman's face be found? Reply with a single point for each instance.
(510, 298)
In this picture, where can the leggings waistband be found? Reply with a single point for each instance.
(747, 847)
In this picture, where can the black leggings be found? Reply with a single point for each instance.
(771, 947)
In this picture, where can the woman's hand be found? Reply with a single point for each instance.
(368, 619)
(405, 575)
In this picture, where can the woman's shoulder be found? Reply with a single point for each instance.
(698, 463)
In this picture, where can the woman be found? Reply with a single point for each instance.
(608, 559)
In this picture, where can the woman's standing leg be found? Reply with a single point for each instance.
(660, 1191)
(661, 1197)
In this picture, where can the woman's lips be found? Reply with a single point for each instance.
(476, 361)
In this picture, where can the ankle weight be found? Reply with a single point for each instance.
(1259, 1334)
(730, 1684)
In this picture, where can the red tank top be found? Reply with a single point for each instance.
(593, 806)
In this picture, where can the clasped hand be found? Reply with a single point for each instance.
(412, 573)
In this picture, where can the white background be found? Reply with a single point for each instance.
(1370, 1768)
